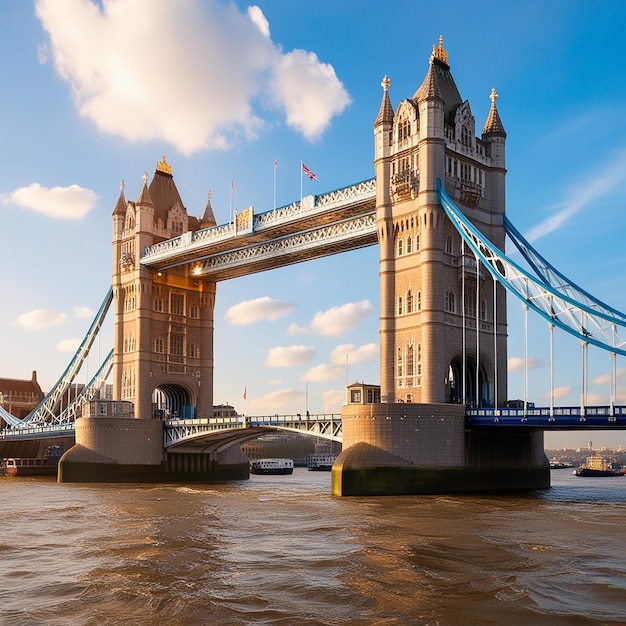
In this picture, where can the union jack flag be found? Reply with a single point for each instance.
(309, 173)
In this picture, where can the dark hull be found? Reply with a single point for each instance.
(273, 471)
(596, 473)
(31, 467)
(320, 468)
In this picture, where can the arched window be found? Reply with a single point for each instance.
(419, 359)
(409, 245)
(400, 310)
(409, 362)
(417, 242)
(400, 374)
(483, 310)
(400, 247)
(419, 300)
(449, 244)
(409, 301)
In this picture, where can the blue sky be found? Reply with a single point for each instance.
(97, 92)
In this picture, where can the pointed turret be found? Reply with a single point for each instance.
(493, 125)
(144, 198)
(385, 113)
(164, 192)
(120, 207)
(208, 219)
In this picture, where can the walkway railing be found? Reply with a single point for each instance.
(545, 418)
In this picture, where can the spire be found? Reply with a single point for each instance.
(385, 113)
(493, 125)
(144, 198)
(120, 207)
(439, 53)
(430, 86)
(208, 219)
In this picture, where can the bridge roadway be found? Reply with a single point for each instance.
(317, 226)
(328, 426)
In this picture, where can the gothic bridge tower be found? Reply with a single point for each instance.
(443, 319)
(434, 299)
(163, 345)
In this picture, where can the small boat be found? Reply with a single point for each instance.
(271, 466)
(320, 462)
(597, 467)
(26, 466)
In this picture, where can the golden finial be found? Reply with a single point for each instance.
(122, 185)
(494, 96)
(439, 53)
(386, 82)
(162, 166)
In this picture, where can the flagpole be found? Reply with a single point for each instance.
(232, 199)
(301, 170)
(275, 164)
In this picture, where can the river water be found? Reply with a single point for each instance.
(282, 550)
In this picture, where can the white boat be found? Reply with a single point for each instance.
(271, 466)
(320, 462)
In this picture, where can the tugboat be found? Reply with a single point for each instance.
(597, 467)
(271, 466)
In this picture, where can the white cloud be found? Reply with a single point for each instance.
(289, 356)
(39, 319)
(589, 192)
(68, 345)
(295, 329)
(83, 312)
(71, 202)
(336, 321)
(257, 17)
(362, 354)
(309, 91)
(561, 392)
(218, 65)
(260, 309)
(605, 379)
(323, 372)
(333, 400)
(280, 401)
(516, 364)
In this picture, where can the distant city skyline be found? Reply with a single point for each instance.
(239, 115)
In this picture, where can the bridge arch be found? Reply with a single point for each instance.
(173, 401)
(455, 391)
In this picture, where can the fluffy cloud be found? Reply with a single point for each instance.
(218, 65)
(516, 364)
(289, 356)
(83, 312)
(39, 319)
(260, 309)
(336, 321)
(333, 400)
(71, 202)
(68, 345)
(323, 372)
(362, 354)
(281, 401)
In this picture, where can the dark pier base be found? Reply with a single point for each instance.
(396, 480)
(84, 466)
(412, 449)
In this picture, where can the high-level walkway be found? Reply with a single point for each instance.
(318, 226)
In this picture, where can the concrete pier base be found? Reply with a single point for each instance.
(117, 449)
(404, 449)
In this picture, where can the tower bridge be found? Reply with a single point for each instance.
(439, 420)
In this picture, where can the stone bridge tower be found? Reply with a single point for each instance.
(434, 297)
(442, 317)
(163, 345)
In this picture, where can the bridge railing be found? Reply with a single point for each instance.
(610, 417)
